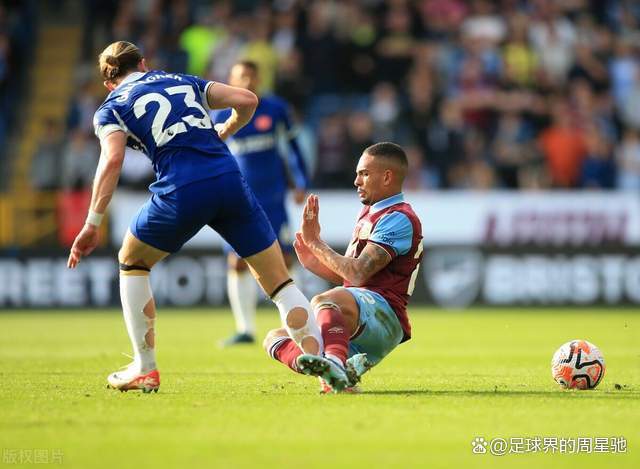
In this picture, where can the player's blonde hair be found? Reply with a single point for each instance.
(118, 59)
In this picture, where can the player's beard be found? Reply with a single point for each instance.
(366, 200)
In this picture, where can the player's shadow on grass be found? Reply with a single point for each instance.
(609, 394)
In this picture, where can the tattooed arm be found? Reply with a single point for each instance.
(309, 261)
(355, 270)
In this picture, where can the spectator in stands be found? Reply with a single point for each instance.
(442, 143)
(319, 53)
(598, 168)
(4, 57)
(624, 71)
(290, 82)
(45, 165)
(416, 178)
(520, 62)
(628, 161)
(171, 56)
(200, 39)
(81, 109)
(395, 45)
(360, 135)
(512, 149)
(553, 37)
(476, 86)
(79, 161)
(628, 91)
(582, 102)
(260, 50)
(358, 57)
(589, 67)
(484, 25)
(334, 170)
(385, 111)
(478, 174)
(481, 33)
(284, 35)
(563, 146)
(229, 48)
(4, 73)
(441, 19)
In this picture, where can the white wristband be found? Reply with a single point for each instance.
(94, 218)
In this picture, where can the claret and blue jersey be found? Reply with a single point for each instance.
(165, 115)
(391, 224)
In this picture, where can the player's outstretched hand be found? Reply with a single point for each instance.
(305, 256)
(84, 244)
(310, 227)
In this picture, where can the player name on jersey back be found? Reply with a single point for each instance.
(123, 95)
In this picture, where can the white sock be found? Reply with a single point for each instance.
(287, 299)
(242, 290)
(135, 293)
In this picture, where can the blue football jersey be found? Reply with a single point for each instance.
(256, 148)
(165, 115)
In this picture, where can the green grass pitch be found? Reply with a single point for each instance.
(464, 375)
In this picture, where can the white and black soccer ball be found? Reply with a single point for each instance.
(578, 364)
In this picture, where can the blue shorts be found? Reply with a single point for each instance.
(379, 330)
(277, 215)
(225, 203)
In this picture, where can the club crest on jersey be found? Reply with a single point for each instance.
(263, 122)
(365, 230)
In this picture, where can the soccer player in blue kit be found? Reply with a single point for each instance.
(269, 174)
(198, 183)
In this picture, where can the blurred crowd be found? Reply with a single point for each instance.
(16, 29)
(505, 94)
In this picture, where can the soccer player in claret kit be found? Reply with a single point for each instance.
(269, 174)
(365, 318)
(198, 183)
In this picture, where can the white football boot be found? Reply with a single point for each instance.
(130, 378)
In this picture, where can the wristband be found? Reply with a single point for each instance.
(94, 218)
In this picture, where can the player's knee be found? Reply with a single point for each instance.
(297, 318)
(129, 262)
(266, 343)
(272, 335)
(322, 298)
(125, 258)
(317, 299)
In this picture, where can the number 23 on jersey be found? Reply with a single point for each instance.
(160, 134)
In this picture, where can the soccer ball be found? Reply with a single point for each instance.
(578, 365)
